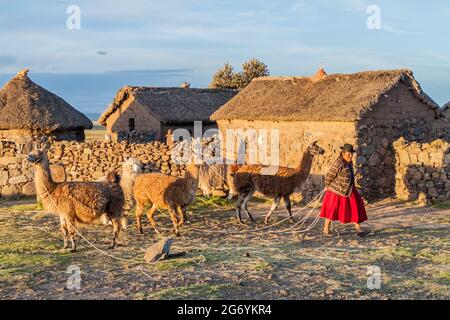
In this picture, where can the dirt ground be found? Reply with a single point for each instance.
(409, 244)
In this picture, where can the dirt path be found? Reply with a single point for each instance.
(409, 245)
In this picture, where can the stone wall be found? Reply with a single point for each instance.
(397, 114)
(423, 170)
(82, 162)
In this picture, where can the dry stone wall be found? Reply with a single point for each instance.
(81, 162)
(422, 170)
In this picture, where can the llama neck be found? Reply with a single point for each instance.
(304, 168)
(192, 172)
(43, 179)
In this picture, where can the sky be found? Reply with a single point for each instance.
(164, 43)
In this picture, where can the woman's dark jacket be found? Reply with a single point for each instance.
(340, 178)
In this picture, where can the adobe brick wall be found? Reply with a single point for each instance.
(295, 136)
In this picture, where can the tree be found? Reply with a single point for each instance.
(251, 69)
(224, 78)
(227, 78)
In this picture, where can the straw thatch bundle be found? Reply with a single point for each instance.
(172, 105)
(24, 105)
(336, 97)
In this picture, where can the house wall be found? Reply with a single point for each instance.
(294, 137)
(442, 126)
(117, 123)
(190, 128)
(397, 114)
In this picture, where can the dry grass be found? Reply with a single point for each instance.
(225, 260)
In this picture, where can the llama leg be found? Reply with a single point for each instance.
(182, 216)
(139, 211)
(239, 202)
(150, 213)
(244, 206)
(274, 206)
(174, 218)
(64, 231)
(71, 229)
(116, 230)
(287, 205)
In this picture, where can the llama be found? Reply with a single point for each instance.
(168, 192)
(131, 169)
(77, 202)
(248, 178)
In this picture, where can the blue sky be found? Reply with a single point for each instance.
(163, 43)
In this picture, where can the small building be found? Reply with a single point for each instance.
(28, 110)
(150, 112)
(367, 109)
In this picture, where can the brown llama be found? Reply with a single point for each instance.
(166, 192)
(249, 178)
(77, 203)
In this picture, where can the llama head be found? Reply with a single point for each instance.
(132, 165)
(314, 149)
(39, 155)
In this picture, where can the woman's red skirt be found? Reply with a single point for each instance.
(345, 209)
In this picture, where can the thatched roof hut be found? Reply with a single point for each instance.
(335, 97)
(370, 110)
(156, 109)
(27, 109)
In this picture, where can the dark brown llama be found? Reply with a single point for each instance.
(250, 178)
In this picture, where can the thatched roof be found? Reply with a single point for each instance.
(27, 106)
(335, 97)
(173, 105)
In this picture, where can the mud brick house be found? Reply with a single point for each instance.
(152, 111)
(368, 109)
(28, 110)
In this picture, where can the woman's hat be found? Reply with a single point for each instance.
(348, 148)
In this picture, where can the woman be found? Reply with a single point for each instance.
(342, 201)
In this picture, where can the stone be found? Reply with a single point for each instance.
(404, 157)
(9, 191)
(17, 180)
(361, 160)
(424, 157)
(5, 161)
(374, 159)
(368, 150)
(158, 251)
(97, 175)
(3, 177)
(29, 189)
(58, 173)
